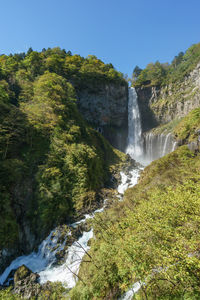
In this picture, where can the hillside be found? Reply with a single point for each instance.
(52, 163)
(152, 237)
(55, 162)
(168, 92)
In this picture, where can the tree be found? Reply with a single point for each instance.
(177, 59)
(136, 72)
(29, 51)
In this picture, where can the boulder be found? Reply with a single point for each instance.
(26, 283)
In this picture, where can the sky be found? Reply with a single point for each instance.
(125, 33)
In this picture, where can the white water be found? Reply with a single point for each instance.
(130, 293)
(157, 145)
(149, 147)
(135, 142)
(37, 261)
(128, 180)
(64, 272)
(43, 260)
(144, 151)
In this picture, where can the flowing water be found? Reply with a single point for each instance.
(148, 147)
(43, 261)
(143, 150)
(135, 142)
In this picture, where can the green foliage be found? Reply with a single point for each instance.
(54, 291)
(153, 74)
(151, 237)
(163, 74)
(6, 294)
(187, 64)
(177, 59)
(4, 92)
(187, 128)
(52, 165)
(136, 72)
(166, 128)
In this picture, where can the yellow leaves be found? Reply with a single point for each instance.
(123, 286)
(40, 115)
(54, 172)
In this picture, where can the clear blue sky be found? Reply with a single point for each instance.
(123, 32)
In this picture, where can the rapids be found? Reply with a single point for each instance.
(143, 149)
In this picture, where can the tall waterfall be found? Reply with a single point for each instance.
(135, 142)
(149, 146)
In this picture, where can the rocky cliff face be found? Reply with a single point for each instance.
(106, 109)
(162, 105)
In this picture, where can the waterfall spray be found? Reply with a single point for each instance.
(135, 142)
(149, 147)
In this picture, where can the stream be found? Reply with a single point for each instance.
(44, 260)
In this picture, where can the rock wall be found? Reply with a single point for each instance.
(162, 105)
(106, 109)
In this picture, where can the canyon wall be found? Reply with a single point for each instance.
(106, 108)
(160, 105)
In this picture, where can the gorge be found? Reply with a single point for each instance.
(83, 220)
(143, 150)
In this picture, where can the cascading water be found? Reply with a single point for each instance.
(142, 149)
(157, 145)
(135, 142)
(148, 147)
(44, 259)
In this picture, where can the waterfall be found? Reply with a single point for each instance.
(44, 260)
(143, 149)
(157, 145)
(147, 147)
(135, 142)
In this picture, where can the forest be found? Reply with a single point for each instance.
(53, 166)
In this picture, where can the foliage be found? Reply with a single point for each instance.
(54, 291)
(163, 74)
(52, 164)
(153, 74)
(166, 128)
(187, 128)
(151, 237)
(6, 294)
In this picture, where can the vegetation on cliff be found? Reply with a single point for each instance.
(151, 237)
(188, 128)
(184, 130)
(159, 74)
(52, 164)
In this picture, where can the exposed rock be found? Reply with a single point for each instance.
(26, 283)
(162, 105)
(194, 146)
(145, 95)
(106, 108)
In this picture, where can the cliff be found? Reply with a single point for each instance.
(106, 109)
(52, 164)
(160, 105)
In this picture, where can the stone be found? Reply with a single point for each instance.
(160, 105)
(106, 109)
(26, 283)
